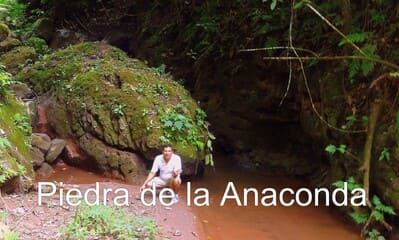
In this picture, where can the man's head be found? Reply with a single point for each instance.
(167, 152)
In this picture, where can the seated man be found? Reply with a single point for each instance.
(169, 166)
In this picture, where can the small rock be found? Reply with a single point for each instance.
(19, 211)
(21, 90)
(37, 157)
(177, 233)
(45, 170)
(56, 147)
(41, 141)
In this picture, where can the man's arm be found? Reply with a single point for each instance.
(178, 170)
(150, 176)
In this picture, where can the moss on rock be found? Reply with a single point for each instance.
(18, 56)
(8, 44)
(15, 158)
(119, 101)
(4, 31)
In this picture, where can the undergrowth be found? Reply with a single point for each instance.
(103, 222)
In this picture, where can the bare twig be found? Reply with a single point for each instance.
(330, 58)
(335, 29)
(279, 48)
(290, 47)
(300, 60)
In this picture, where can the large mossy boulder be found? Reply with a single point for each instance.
(16, 168)
(99, 93)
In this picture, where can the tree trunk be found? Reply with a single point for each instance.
(374, 112)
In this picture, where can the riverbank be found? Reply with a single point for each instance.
(43, 222)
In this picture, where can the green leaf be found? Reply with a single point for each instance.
(397, 123)
(354, 67)
(4, 142)
(359, 218)
(299, 5)
(200, 145)
(178, 125)
(376, 200)
(377, 215)
(351, 118)
(351, 180)
(338, 184)
(385, 155)
(273, 4)
(209, 159)
(269, 44)
(341, 148)
(168, 123)
(3, 215)
(367, 67)
(209, 145)
(354, 37)
(331, 149)
(365, 119)
(211, 136)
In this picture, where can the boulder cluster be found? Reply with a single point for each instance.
(45, 152)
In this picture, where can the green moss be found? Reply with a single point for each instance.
(4, 31)
(17, 57)
(117, 99)
(18, 139)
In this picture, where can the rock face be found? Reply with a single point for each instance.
(115, 108)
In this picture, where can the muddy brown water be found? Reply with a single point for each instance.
(265, 223)
(238, 222)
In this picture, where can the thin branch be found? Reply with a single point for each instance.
(290, 47)
(335, 29)
(374, 83)
(279, 48)
(329, 58)
(300, 60)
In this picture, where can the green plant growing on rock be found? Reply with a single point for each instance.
(6, 173)
(5, 80)
(137, 105)
(5, 232)
(118, 109)
(179, 128)
(22, 123)
(38, 44)
(374, 213)
(100, 221)
(4, 143)
(161, 69)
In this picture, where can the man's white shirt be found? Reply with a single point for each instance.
(166, 169)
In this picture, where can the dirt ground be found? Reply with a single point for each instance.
(42, 222)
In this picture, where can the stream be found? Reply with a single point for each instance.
(261, 222)
(243, 222)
